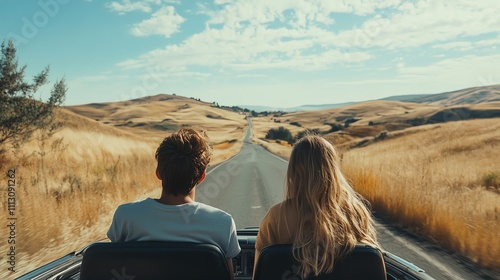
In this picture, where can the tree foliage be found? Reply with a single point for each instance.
(335, 127)
(21, 113)
(280, 133)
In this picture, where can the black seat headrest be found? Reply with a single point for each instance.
(364, 262)
(153, 260)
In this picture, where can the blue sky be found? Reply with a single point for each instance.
(277, 53)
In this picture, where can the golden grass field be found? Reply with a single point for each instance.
(433, 182)
(428, 178)
(67, 198)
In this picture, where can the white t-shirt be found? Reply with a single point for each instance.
(149, 220)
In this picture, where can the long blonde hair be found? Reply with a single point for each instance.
(331, 217)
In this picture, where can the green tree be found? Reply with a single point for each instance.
(21, 113)
(280, 133)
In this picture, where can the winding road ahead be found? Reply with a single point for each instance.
(249, 183)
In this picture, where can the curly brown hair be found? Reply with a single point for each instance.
(182, 160)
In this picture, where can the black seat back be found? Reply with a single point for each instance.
(364, 262)
(153, 260)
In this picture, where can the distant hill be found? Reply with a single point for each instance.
(474, 95)
(406, 98)
(370, 118)
(257, 108)
(154, 115)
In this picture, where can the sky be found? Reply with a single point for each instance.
(278, 53)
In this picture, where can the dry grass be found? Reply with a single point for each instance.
(437, 180)
(63, 208)
(430, 178)
(432, 182)
(260, 127)
(151, 115)
(377, 111)
(69, 201)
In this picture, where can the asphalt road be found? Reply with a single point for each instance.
(248, 184)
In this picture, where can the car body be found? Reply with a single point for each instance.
(68, 267)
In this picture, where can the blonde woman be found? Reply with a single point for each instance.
(322, 216)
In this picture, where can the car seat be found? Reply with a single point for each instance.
(153, 260)
(364, 262)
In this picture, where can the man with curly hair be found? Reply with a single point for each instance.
(182, 159)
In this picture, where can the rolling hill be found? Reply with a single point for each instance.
(155, 115)
(475, 95)
(365, 121)
(295, 109)
(350, 122)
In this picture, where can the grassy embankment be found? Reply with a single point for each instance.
(438, 181)
(441, 183)
(68, 201)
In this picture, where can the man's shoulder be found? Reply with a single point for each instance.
(133, 205)
(211, 210)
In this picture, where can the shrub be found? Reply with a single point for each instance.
(348, 122)
(492, 180)
(296, 124)
(416, 121)
(381, 136)
(335, 127)
(280, 133)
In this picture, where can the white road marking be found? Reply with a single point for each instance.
(256, 207)
(286, 161)
(433, 261)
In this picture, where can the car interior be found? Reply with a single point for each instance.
(363, 262)
(153, 260)
(182, 260)
(178, 260)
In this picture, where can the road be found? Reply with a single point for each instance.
(249, 183)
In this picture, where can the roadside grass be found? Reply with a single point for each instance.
(491, 179)
(439, 181)
(438, 184)
(70, 202)
(80, 185)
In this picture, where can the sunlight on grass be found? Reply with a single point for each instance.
(84, 184)
(434, 184)
(71, 204)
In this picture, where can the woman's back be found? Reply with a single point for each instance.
(278, 226)
(322, 216)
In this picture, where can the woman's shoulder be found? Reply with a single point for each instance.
(282, 207)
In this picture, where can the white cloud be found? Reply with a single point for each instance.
(304, 62)
(245, 41)
(468, 45)
(252, 47)
(455, 45)
(302, 35)
(164, 22)
(466, 71)
(127, 6)
(425, 22)
(300, 12)
(392, 24)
